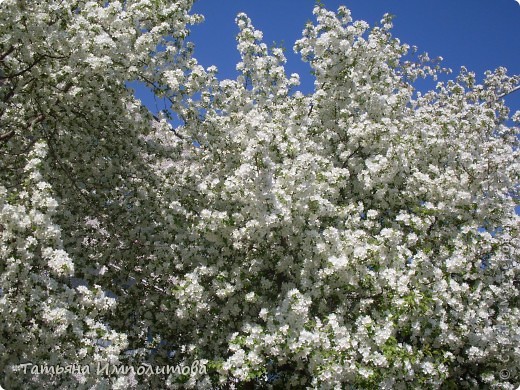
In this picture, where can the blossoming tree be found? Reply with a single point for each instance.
(364, 234)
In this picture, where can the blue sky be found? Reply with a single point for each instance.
(479, 34)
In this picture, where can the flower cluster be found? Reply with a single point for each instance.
(364, 234)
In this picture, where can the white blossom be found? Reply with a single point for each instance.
(361, 235)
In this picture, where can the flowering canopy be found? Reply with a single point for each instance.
(363, 234)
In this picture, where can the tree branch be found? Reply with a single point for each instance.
(6, 53)
(156, 118)
(510, 92)
(6, 136)
(21, 72)
(517, 88)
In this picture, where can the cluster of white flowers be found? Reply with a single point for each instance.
(364, 234)
(71, 135)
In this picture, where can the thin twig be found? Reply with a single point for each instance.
(510, 92)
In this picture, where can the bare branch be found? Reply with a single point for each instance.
(6, 136)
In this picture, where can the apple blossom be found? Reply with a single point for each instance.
(364, 234)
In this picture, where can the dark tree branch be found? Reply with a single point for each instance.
(6, 53)
(345, 163)
(6, 136)
(36, 62)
